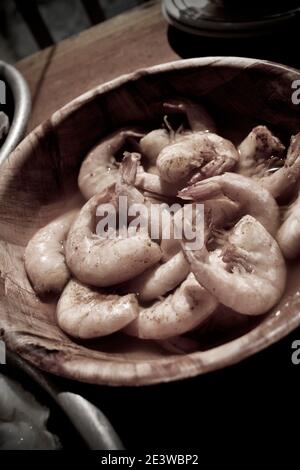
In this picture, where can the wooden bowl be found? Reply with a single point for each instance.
(39, 181)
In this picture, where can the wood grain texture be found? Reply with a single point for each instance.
(123, 44)
(38, 182)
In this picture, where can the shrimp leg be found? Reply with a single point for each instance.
(198, 156)
(248, 274)
(246, 197)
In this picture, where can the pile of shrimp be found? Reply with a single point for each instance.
(156, 288)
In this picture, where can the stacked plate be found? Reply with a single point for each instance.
(230, 18)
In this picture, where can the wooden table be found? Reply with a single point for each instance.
(132, 40)
(135, 39)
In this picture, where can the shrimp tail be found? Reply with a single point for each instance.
(129, 167)
(293, 150)
(282, 182)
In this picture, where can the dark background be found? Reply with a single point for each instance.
(244, 405)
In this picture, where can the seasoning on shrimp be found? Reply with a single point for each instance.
(99, 170)
(160, 279)
(198, 155)
(86, 312)
(44, 256)
(259, 152)
(102, 261)
(178, 313)
(246, 272)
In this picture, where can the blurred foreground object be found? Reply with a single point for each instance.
(22, 419)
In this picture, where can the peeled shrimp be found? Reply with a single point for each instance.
(44, 256)
(181, 311)
(283, 180)
(155, 212)
(201, 155)
(247, 274)
(237, 195)
(198, 118)
(85, 312)
(165, 276)
(102, 261)
(288, 236)
(99, 169)
(173, 267)
(258, 151)
(153, 142)
(157, 281)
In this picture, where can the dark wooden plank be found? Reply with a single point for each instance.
(132, 40)
(35, 22)
(94, 11)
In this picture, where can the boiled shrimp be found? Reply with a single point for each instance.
(172, 268)
(84, 312)
(237, 195)
(99, 170)
(259, 151)
(181, 311)
(155, 212)
(157, 281)
(44, 256)
(288, 235)
(282, 182)
(198, 119)
(155, 141)
(198, 155)
(103, 261)
(152, 144)
(247, 273)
